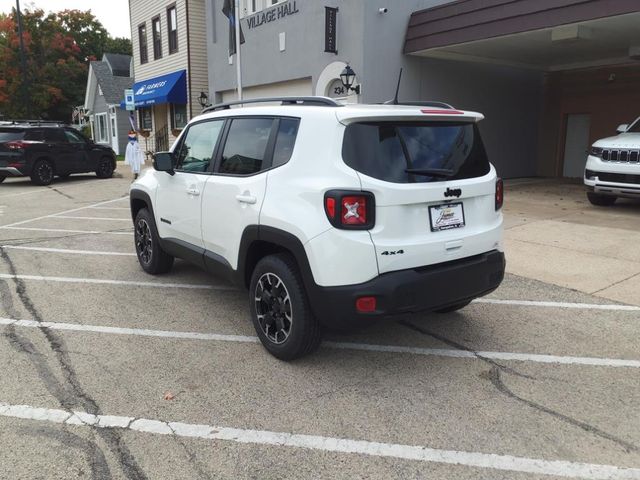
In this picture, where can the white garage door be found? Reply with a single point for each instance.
(292, 88)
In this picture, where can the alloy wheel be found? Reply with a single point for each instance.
(273, 308)
(144, 241)
(45, 172)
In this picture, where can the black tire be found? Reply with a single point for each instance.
(287, 328)
(152, 258)
(105, 168)
(454, 308)
(601, 200)
(42, 172)
(2, 178)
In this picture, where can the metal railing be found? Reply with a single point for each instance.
(161, 139)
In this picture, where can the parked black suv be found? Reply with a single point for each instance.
(42, 151)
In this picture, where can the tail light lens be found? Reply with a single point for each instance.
(349, 210)
(16, 145)
(366, 304)
(499, 193)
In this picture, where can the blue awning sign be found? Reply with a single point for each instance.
(169, 88)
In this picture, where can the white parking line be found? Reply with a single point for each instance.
(116, 282)
(64, 212)
(435, 352)
(582, 306)
(91, 218)
(324, 444)
(45, 190)
(63, 230)
(111, 208)
(67, 251)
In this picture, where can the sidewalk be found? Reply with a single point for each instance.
(553, 234)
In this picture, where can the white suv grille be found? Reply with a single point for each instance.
(622, 156)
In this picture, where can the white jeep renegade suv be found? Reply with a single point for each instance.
(330, 215)
(613, 167)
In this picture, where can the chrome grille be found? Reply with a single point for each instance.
(622, 156)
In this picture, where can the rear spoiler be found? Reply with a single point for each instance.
(385, 113)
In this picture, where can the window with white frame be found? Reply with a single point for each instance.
(102, 135)
(249, 7)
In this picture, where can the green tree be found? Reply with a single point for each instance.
(59, 47)
(119, 45)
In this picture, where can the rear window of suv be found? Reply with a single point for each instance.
(11, 134)
(386, 150)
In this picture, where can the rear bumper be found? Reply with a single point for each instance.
(10, 172)
(421, 289)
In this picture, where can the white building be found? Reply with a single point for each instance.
(170, 66)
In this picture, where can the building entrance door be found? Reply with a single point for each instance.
(576, 145)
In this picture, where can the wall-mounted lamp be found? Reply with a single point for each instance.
(347, 77)
(203, 99)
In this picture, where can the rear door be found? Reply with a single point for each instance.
(434, 189)
(178, 204)
(79, 149)
(59, 150)
(236, 190)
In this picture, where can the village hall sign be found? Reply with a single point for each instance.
(284, 10)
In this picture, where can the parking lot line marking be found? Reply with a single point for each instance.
(436, 352)
(44, 190)
(92, 218)
(67, 251)
(105, 281)
(111, 208)
(62, 230)
(324, 444)
(583, 306)
(14, 224)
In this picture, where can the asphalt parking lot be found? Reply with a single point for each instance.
(111, 373)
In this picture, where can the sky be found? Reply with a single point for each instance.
(113, 14)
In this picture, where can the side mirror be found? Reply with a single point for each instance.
(163, 162)
(622, 128)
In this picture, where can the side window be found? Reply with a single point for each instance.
(54, 135)
(73, 137)
(246, 146)
(34, 135)
(197, 147)
(285, 141)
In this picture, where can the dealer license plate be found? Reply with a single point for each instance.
(446, 217)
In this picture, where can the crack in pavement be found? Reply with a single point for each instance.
(496, 381)
(70, 394)
(95, 456)
(61, 193)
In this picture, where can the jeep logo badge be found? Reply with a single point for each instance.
(456, 192)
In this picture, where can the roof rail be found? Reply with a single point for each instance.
(34, 122)
(314, 101)
(422, 104)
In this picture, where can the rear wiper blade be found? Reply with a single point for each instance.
(431, 172)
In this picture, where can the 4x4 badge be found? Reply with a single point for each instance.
(456, 192)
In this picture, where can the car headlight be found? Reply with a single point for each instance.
(596, 152)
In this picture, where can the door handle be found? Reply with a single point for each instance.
(250, 199)
(193, 191)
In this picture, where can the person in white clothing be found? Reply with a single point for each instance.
(134, 156)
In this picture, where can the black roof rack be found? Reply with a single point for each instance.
(422, 104)
(314, 101)
(34, 122)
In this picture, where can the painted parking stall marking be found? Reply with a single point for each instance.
(322, 443)
(437, 352)
(583, 306)
(66, 251)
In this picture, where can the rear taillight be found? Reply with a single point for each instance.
(16, 145)
(499, 193)
(350, 210)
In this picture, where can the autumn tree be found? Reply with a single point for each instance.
(58, 47)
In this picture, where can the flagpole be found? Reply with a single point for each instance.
(238, 61)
